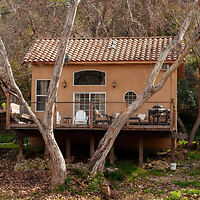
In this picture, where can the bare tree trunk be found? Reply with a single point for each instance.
(183, 129)
(197, 122)
(46, 128)
(98, 160)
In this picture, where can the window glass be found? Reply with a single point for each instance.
(130, 97)
(41, 94)
(89, 77)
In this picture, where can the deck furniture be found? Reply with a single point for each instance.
(67, 120)
(17, 116)
(58, 117)
(159, 116)
(80, 117)
(102, 118)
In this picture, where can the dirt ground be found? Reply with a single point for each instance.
(127, 183)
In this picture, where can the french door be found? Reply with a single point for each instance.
(82, 102)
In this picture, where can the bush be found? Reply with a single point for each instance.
(175, 195)
(7, 138)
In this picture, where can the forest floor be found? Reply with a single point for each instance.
(128, 182)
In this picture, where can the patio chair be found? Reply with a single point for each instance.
(58, 117)
(80, 117)
(17, 116)
(100, 118)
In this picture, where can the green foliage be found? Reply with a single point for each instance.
(188, 87)
(126, 167)
(157, 172)
(192, 191)
(194, 173)
(187, 183)
(79, 173)
(115, 175)
(94, 183)
(63, 187)
(195, 155)
(175, 195)
(7, 138)
(9, 146)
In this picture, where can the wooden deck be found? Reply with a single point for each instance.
(138, 127)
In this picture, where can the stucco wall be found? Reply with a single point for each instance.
(128, 77)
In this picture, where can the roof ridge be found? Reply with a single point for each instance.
(104, 38)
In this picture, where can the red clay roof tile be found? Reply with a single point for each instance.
(102, 50)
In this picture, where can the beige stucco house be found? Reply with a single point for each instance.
(101, 77)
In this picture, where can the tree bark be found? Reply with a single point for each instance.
(182, 127)
(98, 160)
(46, 128)
(197, 122)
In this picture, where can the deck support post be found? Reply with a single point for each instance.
(68, 151)
(112, 155)
(173, 149)
(20, 155)
(141, 151)
(92, 146)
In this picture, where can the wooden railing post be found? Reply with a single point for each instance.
(55, 116)
(8, 110)
(91, 115)
(171, 114)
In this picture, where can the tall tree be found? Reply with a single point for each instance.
(98, 160)
(46, 127)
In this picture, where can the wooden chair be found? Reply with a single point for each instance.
(80, 117)
(17, 116)
(99, 118)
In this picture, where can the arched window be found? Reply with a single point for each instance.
(130, 96)
(89, 77)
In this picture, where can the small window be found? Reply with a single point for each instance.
(165, 67)
(130, 97)
(89, 77)
(41, 94)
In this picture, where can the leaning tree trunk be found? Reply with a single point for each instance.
(46, 128)
(197, 122)
(182, 126)
(98, 160)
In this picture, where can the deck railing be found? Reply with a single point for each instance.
(97, 114)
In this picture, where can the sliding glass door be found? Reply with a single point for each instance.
(82, 102)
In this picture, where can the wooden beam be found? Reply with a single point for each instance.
(20, 155)
(112, 155)
(68, 150)
(141, 151)
(8, 110)
(92, 146)
(173, 149)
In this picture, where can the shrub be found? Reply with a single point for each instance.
(175, 195)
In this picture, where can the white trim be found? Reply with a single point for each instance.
(38, 95)
(127, 92)
(74, 93)
(89, 70)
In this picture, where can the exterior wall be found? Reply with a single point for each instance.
(127, 77)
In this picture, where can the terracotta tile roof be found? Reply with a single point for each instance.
(101, 50)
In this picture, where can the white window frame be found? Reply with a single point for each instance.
(89, 70)
(39, 95)
(88, 102)
(127, 92)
